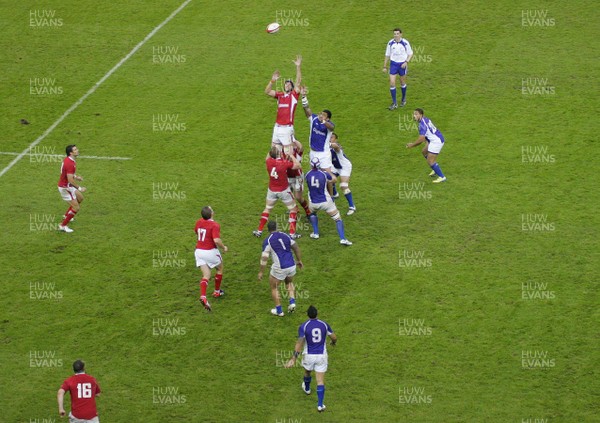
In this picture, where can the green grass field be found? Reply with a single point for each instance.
(470, 301)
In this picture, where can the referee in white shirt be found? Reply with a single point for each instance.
(398, 53)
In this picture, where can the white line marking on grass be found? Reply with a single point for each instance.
(91, 90)
(8, 153)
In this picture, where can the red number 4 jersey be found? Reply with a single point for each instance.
(277, 169)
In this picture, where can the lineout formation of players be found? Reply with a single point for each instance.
(328, 165)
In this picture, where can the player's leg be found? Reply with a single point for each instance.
(70, 195)
(290, 203)
(264, 217)
(314, 220)
(205, 269)
(306, 381)
(433, 150)
(320, 376)
(274, 283)
(218, 292)
(339, 224)
(345, 188)
(291, 290)
(394, 104)
(403, 73)
(298, 194)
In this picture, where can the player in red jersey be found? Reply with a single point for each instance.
(279, 189)
(287, 100)
(70, 191)
(83, 389)
(296, 177)
(208, 255)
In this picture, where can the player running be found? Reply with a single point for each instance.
(312, 337)
(280, 247)
(320, 199)
(287, 100)
(279, 189)
(208, 255)
(69, 190)
(342, 168)
(435, 141)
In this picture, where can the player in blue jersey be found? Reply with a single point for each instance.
(280, 246)
(319, 197)
(321, 129)
(398, 52)
(342, 168)
(312, 337)
(435, 141)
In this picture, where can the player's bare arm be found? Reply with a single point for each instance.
(71, 177)
(269, 89)
(299, 146)
(296, 163)
(333, 339)
(305, 106)
(60, 396)
(297, 253)
(385, 63)
(264, 258)
(420, 140)
(336, 147)
(220, 244)
(297, 351)
(407, 60)
(298, 62)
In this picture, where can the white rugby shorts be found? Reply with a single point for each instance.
(283, 135)
(316, 362)
(212, 258)
(281, 274)
(67, 193)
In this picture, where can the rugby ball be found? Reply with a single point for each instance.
(272, 28)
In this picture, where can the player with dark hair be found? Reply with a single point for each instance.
(208, 255)
(311, 343)
(398, 52)
(279, 189)
(321, 128)
(69, 190)
(83, 389)
(435, 141)
(319, 195)
(287, 100)
(280, 246)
